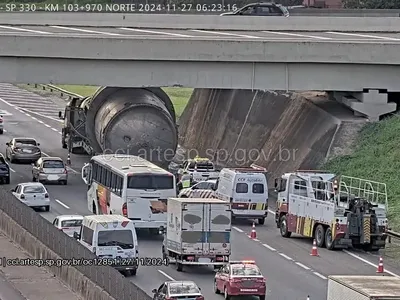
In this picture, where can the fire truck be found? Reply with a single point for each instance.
(337, 211)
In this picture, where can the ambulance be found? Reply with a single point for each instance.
(247, 191)
(111, 238)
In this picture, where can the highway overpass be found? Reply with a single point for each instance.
(351, 63)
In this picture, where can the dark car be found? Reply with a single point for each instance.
(260, 9)
(23, 149)
(4, 170)
(240, 278)
(171, 290)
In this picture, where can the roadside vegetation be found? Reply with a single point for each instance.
(179, 96)
(376, 157)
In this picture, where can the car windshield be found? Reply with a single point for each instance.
(71, 223)
(245, 270)
(33, 189)
(53, 164)
(181, 288)
(26, 142)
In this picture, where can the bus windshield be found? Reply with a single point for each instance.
(150, 182)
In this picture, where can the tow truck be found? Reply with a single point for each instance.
(199, 168)
(337, 211)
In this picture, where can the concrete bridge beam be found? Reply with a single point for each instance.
(371, 104)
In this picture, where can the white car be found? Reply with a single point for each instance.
(68, 224)
(203, 189)
(33, 194)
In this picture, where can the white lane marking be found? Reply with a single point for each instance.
(320, 275)
(272, 212)
(47, 125)
(12, 170)
(54, 129)
(369, 263)
(40, 121)
(256, 240)
(24, 29)
(28, 115)
(237, 229)
(62, 204)
(5, 113)
(155, 32)
(302, 266)
(34, 118)
(227, 33)
(35, 113)
(364, 35)
(166, 275)
(285, 256)
(298, 35)
(269, 247)
(85, 30)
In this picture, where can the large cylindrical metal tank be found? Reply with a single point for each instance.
(137, 121)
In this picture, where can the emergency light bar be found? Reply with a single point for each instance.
(312, 171)
(248, 262)
(248, 170)
(257, 167)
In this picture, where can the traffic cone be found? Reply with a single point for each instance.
(68, 159)
(253, 234)
(308, 297)
(314, 250)
(380, 266)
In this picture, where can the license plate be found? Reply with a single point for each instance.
(204, 260)
(248, 290)
(52, 177)
(26, 151)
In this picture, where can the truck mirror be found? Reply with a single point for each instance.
(154, 291)
(77, 236)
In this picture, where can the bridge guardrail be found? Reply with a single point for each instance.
(392, 234)
(53, 89)
(105, 277)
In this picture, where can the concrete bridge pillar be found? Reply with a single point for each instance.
(371, 104)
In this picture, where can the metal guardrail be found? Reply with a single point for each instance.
(105, 277)
(53, 89)
(391, 234)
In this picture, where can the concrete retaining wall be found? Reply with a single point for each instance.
(280, 131)
(70, 275)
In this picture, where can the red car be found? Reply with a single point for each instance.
(241, 278)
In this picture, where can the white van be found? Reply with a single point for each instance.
(113, 239)
(247, 190)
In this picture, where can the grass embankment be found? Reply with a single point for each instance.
(179, 96)
(376, 157)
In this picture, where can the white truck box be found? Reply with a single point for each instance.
(198, 231)
(363, 288)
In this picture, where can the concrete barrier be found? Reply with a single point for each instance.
(43, 241)
(210, 22)
(279, 131)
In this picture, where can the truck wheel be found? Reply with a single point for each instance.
(216, 290)
(1, 131)
(329, 243)
(179, 267)
(283, 228)
(319, 236)
(261, 221)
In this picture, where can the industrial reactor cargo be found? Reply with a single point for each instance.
(198, 232)
(134, 121)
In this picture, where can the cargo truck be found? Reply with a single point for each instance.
(363, 288)
(198, 232)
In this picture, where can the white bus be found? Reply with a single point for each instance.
(130, 186)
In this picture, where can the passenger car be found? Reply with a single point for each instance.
(170, 290)
(23, 149)
(4, 170)
(68, 223)
(1, 125)
(242, 278)
(50, 169)
(33, 194)
(260, 9)
(203, 189)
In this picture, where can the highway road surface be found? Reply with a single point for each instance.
(140, 33)
(291, 272)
